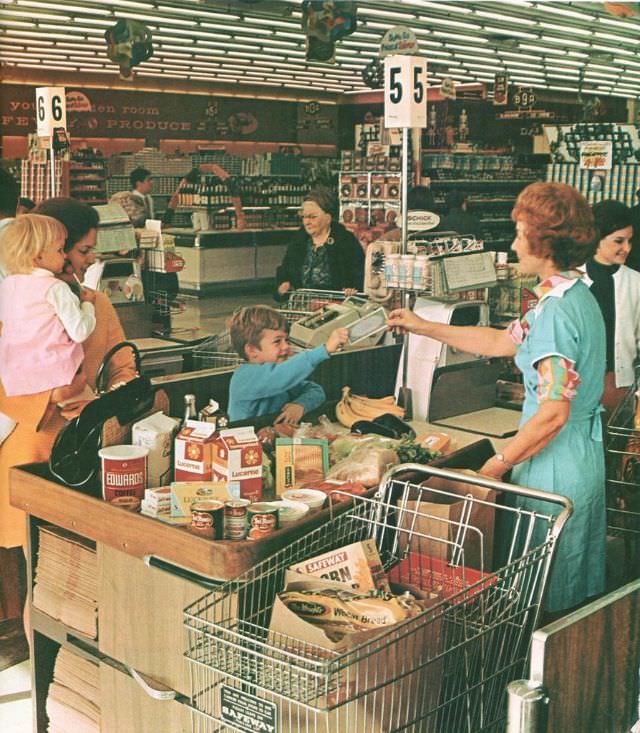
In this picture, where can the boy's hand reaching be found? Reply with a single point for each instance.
(337, 340)
(87, 295)
(291, 414)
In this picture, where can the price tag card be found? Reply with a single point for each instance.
(405, 91)
(51, 110)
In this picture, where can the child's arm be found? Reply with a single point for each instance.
(78, 319)
(305, 397)
(267, 380)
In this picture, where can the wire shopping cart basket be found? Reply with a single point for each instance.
(444, 670)
(623, 477)
(309, 300)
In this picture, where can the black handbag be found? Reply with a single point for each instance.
(74, 457)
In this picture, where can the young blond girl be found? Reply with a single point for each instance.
(43, 323)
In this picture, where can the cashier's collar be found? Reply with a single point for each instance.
(555, 286)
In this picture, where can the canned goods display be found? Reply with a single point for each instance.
(262, 520)
(207, 519)
(236, 519)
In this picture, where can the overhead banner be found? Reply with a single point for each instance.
(501, 89)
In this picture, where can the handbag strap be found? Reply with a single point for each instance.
(101, 373)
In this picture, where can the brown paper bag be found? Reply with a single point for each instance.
(444, 519)
(384, 683)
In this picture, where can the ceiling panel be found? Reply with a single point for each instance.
(572, 45)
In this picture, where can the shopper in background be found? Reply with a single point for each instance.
(633, 260)
(560, 348)
(420, 198)
(617, 289)
(458, 219)
(25, 205)
(38, 417)
(322, 255)
(272, 381)
(138, 202)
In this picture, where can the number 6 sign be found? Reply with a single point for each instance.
(405, 91)
(51, 110)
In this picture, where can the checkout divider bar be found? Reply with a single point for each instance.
(182, 572)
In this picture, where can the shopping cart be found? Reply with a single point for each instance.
(623, 478)
(309, 300)
(443, 671)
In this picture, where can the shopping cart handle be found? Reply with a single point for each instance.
(181, 572)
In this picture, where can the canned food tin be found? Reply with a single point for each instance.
(262, 520)
(207, 519)
(235, 519)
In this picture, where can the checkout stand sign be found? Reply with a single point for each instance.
(247, 712)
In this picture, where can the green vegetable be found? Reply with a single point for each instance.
(411, 452)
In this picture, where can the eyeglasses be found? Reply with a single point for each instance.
(308, 216)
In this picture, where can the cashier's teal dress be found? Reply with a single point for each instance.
(562, 355)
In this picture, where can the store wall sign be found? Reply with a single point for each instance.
(247, 712)
(500, 89)
(157, 116)
(399, 41)
(50, 109)
(405, 91)
(596, 155)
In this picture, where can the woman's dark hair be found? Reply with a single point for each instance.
(558, 223)
(611, 215)
(325, 198)
(79, 218)
(138, 175)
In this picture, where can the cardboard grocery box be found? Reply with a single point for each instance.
(300, 461)
(184, 493)
(237, 457)
(463, 517)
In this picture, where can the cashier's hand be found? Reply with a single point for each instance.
(350, 291)
(402, 320)
(493, 468)
(337, 340)
(284, 288)
(291, 414)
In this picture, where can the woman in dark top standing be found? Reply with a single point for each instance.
(322, 255)
(616, 287)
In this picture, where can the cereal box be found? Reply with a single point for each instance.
(358, 565)
(237, 456)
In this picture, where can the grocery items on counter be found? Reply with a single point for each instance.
(352, 408)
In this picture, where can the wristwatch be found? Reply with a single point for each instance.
(500, 457)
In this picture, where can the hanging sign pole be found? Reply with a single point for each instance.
(405, 107)
(51, 114)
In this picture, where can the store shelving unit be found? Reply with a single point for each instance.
(88, 177)
(370, 198)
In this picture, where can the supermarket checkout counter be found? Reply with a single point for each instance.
(216, 260)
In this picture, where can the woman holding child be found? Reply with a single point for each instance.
(38, 417)
(322, 255)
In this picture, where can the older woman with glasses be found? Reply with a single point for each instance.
(322, 255)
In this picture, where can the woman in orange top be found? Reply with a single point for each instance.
(38, 418)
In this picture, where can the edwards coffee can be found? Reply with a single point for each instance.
(207, 519)
(124, 471)
(262, 520)
(235, 519)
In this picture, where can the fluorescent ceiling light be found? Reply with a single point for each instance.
(564, 41)
(126, 3)
(199, 11)
(509, 32)
(438, 6)
(454, 23)
(558, 9)
(546, 49)
(71, 27)
(390, 14)
(614, 37)
(37, 15)
(626, 24)
(275, 22)
(458, 37)
(505, 18)
(65, 7)
(19, 23)
(566, 28)
(613, 49)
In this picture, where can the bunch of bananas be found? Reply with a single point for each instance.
(353, 408)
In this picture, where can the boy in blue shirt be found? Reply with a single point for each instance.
(270, 381)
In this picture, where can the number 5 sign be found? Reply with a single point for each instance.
(51, 110)
(405, 91)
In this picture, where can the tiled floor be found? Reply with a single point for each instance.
(15, 700)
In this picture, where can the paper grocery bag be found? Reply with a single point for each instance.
(377, 688)
(464, 517)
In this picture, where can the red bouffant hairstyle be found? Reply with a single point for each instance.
(558, 223)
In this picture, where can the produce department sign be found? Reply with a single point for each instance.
(596, 155)
(158, 116)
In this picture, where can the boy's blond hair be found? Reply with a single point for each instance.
(25, 238)
(247, 324)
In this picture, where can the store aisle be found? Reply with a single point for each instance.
(15, 698)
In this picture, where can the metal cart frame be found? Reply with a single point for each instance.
(442, 671)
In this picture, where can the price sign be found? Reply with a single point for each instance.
(524, 97)
(51, 110)
(405, 91)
